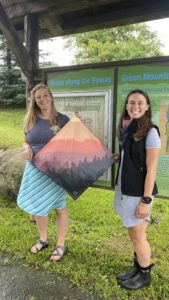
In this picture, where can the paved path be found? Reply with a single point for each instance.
(21, 282)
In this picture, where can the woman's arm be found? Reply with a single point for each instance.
(27, 150)
(151, 164)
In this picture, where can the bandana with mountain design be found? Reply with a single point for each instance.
(74, 158)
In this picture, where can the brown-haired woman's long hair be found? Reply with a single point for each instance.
(34, 110)
(144, 123)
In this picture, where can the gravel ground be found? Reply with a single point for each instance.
(19, 281)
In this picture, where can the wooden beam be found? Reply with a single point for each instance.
(58, 18)
(116, 13)
(31, 30)
(52, 23)
(117, 17)
(14, 43)
(16, 10)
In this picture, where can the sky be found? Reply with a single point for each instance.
(63, 57)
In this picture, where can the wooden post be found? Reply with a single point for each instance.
(15, 43)
(31, 29)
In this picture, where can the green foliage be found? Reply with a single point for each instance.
(11, 128)
(119, 43)
(6, 56)
(12, 89)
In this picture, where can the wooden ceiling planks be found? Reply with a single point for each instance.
(29, 21)
(58, 18)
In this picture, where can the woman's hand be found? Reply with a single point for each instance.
(142, 210)
(116, 157)
(27, 153)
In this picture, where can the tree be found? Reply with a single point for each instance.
(12, 88)
(119, 43)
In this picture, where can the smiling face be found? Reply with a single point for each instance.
(43, 99)
(136, 105)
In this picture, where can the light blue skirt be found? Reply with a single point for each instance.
(125, 206)
(38, 193)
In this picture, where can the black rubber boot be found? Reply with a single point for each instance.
(140, 280)
(131, 272)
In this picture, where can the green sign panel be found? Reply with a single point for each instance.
(82, 79)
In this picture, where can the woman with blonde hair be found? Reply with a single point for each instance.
(38, 194)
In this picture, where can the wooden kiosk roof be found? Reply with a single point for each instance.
(63, 17)
(31, 20)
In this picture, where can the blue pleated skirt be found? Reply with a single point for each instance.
(38, 193)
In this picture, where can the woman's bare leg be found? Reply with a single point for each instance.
(62, 227)
(141, 246)
(42, 223)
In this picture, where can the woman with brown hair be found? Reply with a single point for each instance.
(38, 194)
(135, 183)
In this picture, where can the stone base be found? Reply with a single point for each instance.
(11, 169)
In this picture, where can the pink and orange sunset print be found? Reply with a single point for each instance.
(74, 158)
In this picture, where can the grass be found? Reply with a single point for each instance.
(11, 128)
(99, 247)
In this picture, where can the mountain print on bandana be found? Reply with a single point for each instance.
(74, 158)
